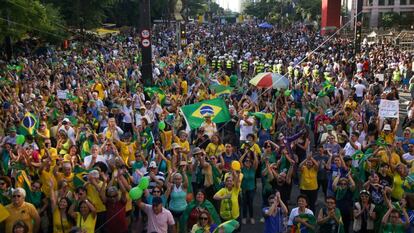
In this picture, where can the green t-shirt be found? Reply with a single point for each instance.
(249, 177)
(389, 228)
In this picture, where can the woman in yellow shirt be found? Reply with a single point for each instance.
(215, 147)
(62, 221)
(400, 173)
(86, 217)
(308, 183)
(229, 197)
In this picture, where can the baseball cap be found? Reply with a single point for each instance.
(387, 127)
(66, 120)
(153, 164)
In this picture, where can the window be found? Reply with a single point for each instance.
(403, 2)
(390, 2)
(381, 2)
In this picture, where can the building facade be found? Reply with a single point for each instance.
(374, 11)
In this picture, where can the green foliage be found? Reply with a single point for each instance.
(275, 10)
(21, 18)
(390, 19)
(83, 14)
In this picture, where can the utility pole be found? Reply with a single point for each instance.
(358, 27)
(145, 33)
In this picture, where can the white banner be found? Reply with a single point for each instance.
(389, 109)
(62, 94)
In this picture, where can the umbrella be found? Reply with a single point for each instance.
(265, 25)
(268, 80)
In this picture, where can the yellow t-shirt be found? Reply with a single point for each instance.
(308, 178)
(25, 213)
(255, 148)
(59, 223)
(395, 158)
(127, 151)
(184, 87)
(45, 178)
(234, 201)
(184, 144)
(87, 225)
(397, 191)
(388, 138)
(100, 89)
(69, 179)
(53, 154)
(213, 149)
(93, 196)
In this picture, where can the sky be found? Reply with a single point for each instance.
(234, 5)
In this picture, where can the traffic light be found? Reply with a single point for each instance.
(183, 35)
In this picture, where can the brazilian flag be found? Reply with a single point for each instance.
(216, 108)
(147, 139)
(29, 124)
(266, 119)
(221, 90)
(299, 228)
(79, 173)
(151, 91)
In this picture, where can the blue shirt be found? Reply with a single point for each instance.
(274, 224)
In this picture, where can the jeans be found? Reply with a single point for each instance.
(248, 197)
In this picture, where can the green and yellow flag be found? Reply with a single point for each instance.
(194, 113)
(221, 90)
(29, 124)
(151, 91)
(266, 119)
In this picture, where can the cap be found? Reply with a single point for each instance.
(175, 146)
(142, 107)
(387, 127)
(182, 132)
(197, 150)
(329, 127)
(66, 120)
(94, 173)
(12, 129)
(153, 164)
(156, 200)
(364, 192)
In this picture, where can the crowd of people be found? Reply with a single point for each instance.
(79, 130)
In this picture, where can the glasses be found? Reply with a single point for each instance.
(112, 196)
(203, 218)
(156, 191)
(16, 196)
(2, 183)
(36, 187)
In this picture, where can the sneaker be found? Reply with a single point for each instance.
(243, 221)
(262, 219)
(252, 221)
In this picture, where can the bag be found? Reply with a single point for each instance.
(225, 210)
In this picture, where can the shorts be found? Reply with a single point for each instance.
(176, 214)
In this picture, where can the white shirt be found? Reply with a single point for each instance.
(127, 111)
(359, 90)
(88, 159)
(408, 157)
(294, 213)
(246, 129)
(349, 151)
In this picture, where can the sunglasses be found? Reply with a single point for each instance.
(2, 183)
(16, 196)
(156, 191)
(203, 218)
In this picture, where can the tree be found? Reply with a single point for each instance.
(20, 18)
(390, 19)
(83, 14)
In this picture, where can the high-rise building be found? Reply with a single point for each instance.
(374, 10)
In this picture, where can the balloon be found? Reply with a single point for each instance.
(161, 125)
(144, 183)
(235, 165)
(20, 139)
(135, 193)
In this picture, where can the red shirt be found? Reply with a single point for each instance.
(116, 217)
